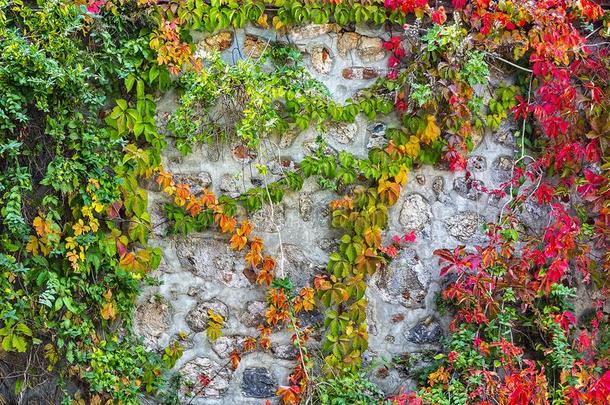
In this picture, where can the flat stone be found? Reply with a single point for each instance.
(370, 49)
(426, 332)
(197, 318)
(415, 213)
(257, 382)
(219, 375)
(464, 225)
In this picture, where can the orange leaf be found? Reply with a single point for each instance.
(235, 359)
(238, 242)
(183, 191)
(253, 258)
(249, 344)
(290, 395)
(227, 224)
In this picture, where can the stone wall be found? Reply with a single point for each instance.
(200, 271)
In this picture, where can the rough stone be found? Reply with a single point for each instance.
(370, 49)
(254, 313)
(347, 42)
(321, 60)
(197, 182)
(464, 225)
(269, 219)
(202, 365)
(228, 184)
(197, 318)
(242, 154)
(467, 188)
(343, 133)
(415, 213)
(257, 382)
(476, 163)
(404, 281)
(254, 46)
(285, 352)
(438, 185)
(305, 206)
(376, 135)
(212, 260)
(287, 138)
(504, 163)
(297, 265)
(218, 42)
(152, 318)
(426, 332)
(310, 31)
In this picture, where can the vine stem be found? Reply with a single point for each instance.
(279, 235)
(509, 62)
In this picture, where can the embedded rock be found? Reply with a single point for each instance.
(476, 163)
(464, 226)
(370, 49)
(257, 382)
(197, 318)
(415, 213)
(218, 42)
(219, 384)
(426, 332)
(343, 133)
(467, 188)
(321, 60)
(269, 218)
(310, 31)
(347, 42)
(404, 281)
(254, 314)
(305, 206)
(254, 47)
(152, 319)
(196, 182)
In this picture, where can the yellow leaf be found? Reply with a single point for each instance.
(32, 245)
(432, 131)
(108, 311)
(262, 21)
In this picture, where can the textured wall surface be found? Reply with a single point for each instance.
(200, 271)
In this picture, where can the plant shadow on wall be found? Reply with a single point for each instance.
(74, 231)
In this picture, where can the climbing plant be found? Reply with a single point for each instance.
(79, 133)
